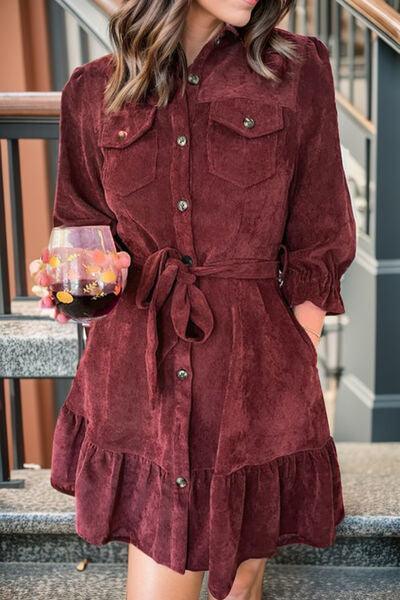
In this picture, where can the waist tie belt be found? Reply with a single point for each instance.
(163, 272)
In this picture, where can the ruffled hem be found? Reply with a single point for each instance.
(300, 285)
(249, 513)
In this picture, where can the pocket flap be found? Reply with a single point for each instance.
(235, 112)
(124, 127)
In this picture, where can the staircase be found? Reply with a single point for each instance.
(40, 551)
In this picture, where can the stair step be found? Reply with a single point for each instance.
(357, 552)
(44, 581)
(281, 582)
(37, 348)
(33, 344)
(299, 582)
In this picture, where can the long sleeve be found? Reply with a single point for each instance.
(320, 231)
(79, 195)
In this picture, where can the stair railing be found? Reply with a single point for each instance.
(33, 115)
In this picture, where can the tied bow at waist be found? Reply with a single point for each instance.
(164, 272)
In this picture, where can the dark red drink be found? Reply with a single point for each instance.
(85, 300)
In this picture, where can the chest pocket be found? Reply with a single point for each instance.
(242, 139)
(130, 147)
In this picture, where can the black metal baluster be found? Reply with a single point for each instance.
(16, 423)
(18, 239)
(5, 304)
(5, 481)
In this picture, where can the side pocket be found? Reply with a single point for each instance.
(297, 325)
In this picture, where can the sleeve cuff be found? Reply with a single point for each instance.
(324, 290)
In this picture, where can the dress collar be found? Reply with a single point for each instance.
(227, 27)
(232, 28)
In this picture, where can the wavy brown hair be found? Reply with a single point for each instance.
(147, 53)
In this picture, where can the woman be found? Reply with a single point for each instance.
(195, 428)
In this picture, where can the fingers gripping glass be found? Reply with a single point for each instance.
(80, 273)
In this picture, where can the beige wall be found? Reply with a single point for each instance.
(25, 67)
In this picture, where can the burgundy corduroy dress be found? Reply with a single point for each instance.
(195, 427)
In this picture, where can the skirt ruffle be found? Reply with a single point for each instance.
(248, 513)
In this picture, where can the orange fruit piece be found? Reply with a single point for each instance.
(54, 261)
(65, 297)
(108, 276)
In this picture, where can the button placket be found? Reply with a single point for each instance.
(180, 476)
(180, 374)
(181, 356)
(180, 180)
(180, 175)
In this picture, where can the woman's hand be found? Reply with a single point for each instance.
(41, 289)
(47, 299)
(310, 317)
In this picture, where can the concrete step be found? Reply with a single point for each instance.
(32, 344)
(347, 551)
(281, 582)
(51, 581)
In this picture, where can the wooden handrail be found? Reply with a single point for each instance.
(380, 14)
(355, 114)
(47, 104)
(32, 104)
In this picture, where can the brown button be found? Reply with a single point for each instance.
(181, 140)
(182, 204)
(182, 374)
(181, 481)
(248, 122)
(193, 79)
(122, 134)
